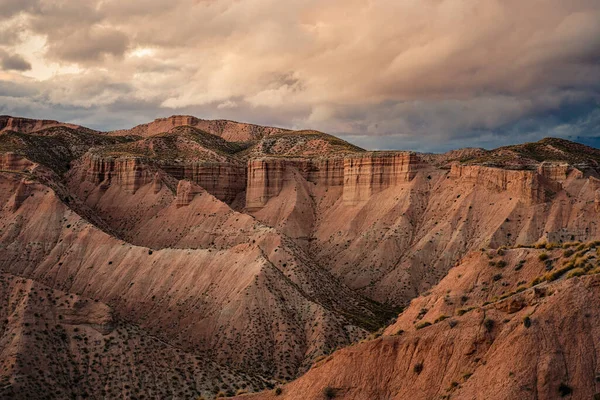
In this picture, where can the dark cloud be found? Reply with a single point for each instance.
(432, 74)
(13, 62)
(8, 8)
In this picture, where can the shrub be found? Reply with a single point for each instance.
(329, 392)
(501, 264)
(278, 391)
(463, 311)
(440, 318)
(568, 253)
(489, 324)
(575, 272)
(527, 321)
(497, 277)
(423, 325)
(564, 389)
(418, 368)
(543, 256)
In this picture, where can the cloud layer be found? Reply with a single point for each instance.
(427, 75)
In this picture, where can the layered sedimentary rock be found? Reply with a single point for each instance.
(265, 180)
(225, 181)
(130, 173)
(555, 171)
(525, 185)
(361, 176)
(14, 162)
(366, 175)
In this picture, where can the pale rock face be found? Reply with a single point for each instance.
(367, 175)
(554, 171)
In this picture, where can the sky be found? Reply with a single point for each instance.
(425, 75)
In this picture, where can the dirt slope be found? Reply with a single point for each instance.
(506, 337)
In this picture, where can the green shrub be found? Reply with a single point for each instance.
(543, 256)
(278, 391)
(488, 324)
(423, 325)
(527, 321)
(575, 272)
(440, 318)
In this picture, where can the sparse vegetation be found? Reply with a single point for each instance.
(329, 392)
(418, 368)
(564, 389)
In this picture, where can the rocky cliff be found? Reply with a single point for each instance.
(525, 185)
(361, 176)
(366, 175)
(223, 180)
(129, 173)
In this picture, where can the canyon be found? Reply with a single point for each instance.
(251, 254)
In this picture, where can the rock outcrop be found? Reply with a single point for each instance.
(361, 176)
(366, 175)
(130, 173)
(555, 171)
(223, 180)
(525, 185)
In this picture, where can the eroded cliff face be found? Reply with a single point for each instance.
(360, 176)
(130, 173)
(525, 185)
(366, 175)
(225, 181)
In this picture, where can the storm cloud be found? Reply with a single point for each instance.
(426, 75)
